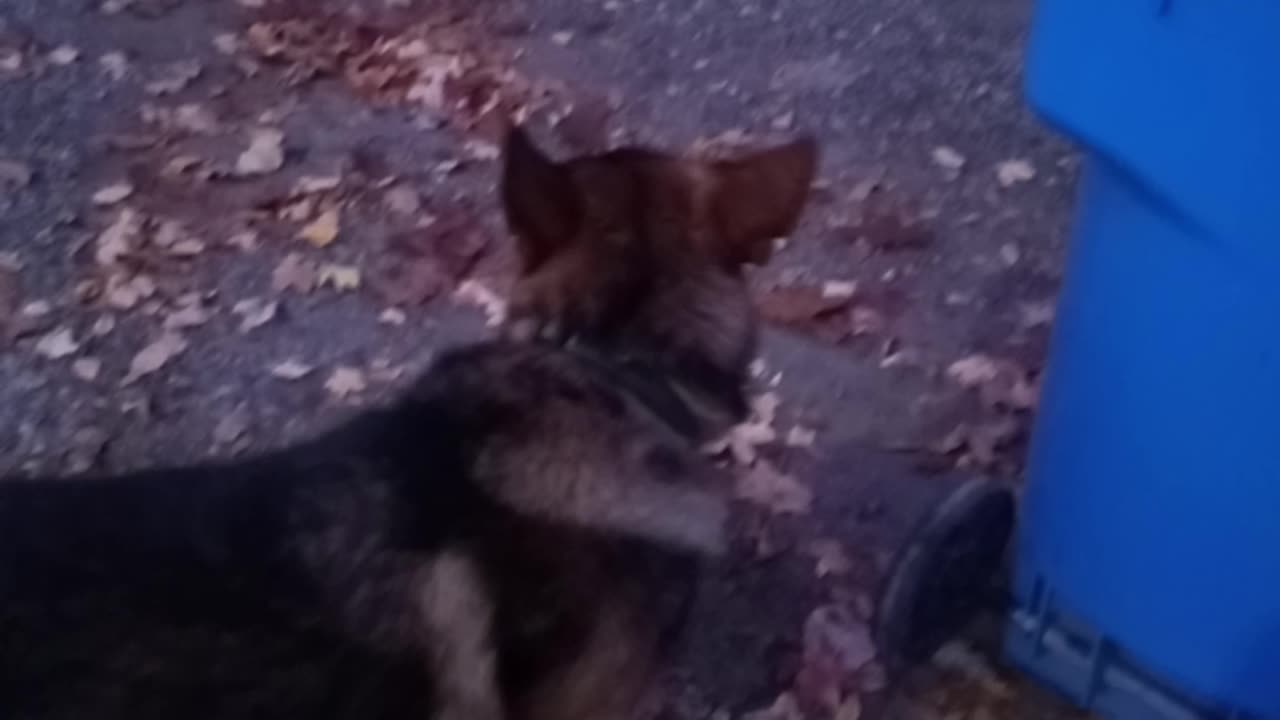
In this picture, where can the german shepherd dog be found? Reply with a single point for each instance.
(516, 536)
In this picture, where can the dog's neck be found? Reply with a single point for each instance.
(696, 401)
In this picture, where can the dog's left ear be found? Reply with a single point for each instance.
(540, 199)
(758, 198)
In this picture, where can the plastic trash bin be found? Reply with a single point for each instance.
(1147, 581)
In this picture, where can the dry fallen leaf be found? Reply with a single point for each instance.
(232, 427)
(784, 707)
(339, 277)
(850, 709)
(402, 200)
(475, 293)
(264, 155)
(757, 430)
(311, 184)
(64, 55)
(974, 370)
(14, 174)
(345, 381)
(948, 158)
(392, 316)
(763, 485)
(291, 370)
(226, 43)
(112, 194)
(124, 293)
(87, 447)
(254, 312)
(187, 316)
(86, 368)
(58, 344)
(1010, 254)
(294, 272)
(115, 64)
(245, 240)
(800, 437)
(1037, 314)
(322, 231)
(118, 239)
(837, 646)
(1012, 172)
(155, 356)
(829, 557)
(174, 77)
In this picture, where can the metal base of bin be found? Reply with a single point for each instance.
(1045, 641)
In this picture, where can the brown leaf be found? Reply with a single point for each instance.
(763, 485)
(155, 356)
(294, 272)
(837, 645)
(1002, 382)
(801, 306)
(452, 241)
(322, 231)
(264, 155)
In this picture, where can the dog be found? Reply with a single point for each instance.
(517, 535)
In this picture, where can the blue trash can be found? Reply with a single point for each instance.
(1147, 580)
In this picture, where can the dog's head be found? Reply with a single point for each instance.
(640, 255)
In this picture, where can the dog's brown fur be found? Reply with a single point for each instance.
(511, 538)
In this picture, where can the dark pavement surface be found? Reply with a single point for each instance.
(917, 107)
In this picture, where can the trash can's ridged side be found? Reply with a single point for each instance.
(1152, 511)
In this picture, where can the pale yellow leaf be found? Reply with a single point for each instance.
(322, 231)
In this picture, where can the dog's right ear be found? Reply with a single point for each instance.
(540, 199)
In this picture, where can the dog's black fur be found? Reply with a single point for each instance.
(514, 536)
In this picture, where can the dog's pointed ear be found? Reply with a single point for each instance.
(759, 197)
(539, 197)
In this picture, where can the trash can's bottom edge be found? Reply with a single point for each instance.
(1066, 655)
